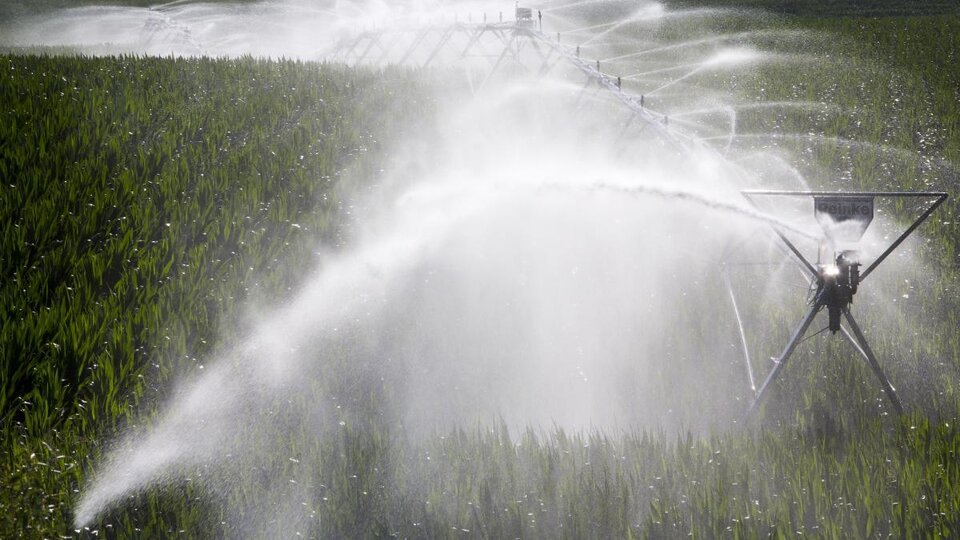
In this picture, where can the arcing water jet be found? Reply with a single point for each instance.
(550, 264)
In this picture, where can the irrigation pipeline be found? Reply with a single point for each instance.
(510, 37)
(376, 46)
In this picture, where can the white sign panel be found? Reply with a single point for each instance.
(842, 217)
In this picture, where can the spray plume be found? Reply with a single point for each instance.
(550, 263)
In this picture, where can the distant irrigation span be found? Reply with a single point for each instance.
(498, 46)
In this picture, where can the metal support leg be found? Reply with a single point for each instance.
(743, 335)
(860, 343)
(493, 70)
(496, 65)
(473, 41)
(373, 40)
(508, 44)
(346, 55)
(784, 356)
(444, 38)
(414, 46)
(385, 51)
(545, 64)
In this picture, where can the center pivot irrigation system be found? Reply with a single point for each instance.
(844, 217)
(497, 45)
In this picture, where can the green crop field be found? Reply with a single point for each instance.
(838, 8)
(140, 197)
(145, 201)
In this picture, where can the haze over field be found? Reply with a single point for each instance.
(541, 255)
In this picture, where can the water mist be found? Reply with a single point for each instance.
(553, 261)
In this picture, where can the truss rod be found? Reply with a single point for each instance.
(784, 356)
(743, 335)
(864, 348)
(923, 217)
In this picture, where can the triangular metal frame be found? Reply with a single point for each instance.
(854, 334)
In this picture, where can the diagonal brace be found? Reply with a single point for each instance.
(923, 217)
(859, 342)
(793, 249)
(785, 355)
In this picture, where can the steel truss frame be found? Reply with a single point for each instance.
(510, 39)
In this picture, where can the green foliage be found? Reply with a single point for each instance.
(836, 8)
(141, 197)
(128, 263)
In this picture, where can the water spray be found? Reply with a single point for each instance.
(453, 225)
(844, 217)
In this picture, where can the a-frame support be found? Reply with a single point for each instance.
(822, 300)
